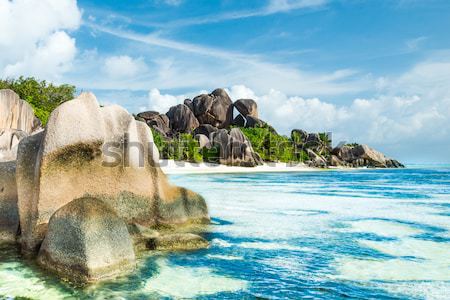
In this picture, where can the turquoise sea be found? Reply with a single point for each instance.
(360, 234)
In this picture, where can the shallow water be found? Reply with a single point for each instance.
(361, 234)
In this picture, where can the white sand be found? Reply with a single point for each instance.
(182, 167)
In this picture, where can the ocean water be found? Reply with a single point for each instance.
(361, 234)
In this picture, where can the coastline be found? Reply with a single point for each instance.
(171, 167)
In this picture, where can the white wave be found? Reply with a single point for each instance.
(384, 228)
(220, 243)
(272, 246)
(225, 257)
(436, 290)
(187, 282)
(438, 252)
(390, 270)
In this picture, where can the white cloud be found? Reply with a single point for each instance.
(33, 40)
(195, 66)
(48, 59)
(162, 103)
(409, 120)
(124, 66)
(272, 7)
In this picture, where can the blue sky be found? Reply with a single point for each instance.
(376, 72)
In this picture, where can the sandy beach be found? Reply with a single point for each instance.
(182, 167)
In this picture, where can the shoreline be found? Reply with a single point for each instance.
(171, 167)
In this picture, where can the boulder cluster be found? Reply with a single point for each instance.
(321, 153)
(84, 192)
(208, 118)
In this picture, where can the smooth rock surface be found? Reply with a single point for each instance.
(102, 152)
(86, 241)
(247, 107)
(9, 216)
(215, 109)
(182, 119)
(17, 120)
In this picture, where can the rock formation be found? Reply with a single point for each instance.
(87, 241)
(360, 156)
(9, 216)
(234, 148)
(102, 152)
(157, 121)
(17, 120)
(182, 119)
(76, 186)
(215, 109)
(247, 107)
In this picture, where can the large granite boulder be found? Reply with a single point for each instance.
(205, 129)
(247, 107)
(203, 141)
(253, 122)
(234, 148)
(316, 160)
(102, 152)
(189, 103)
(17, 120)
(86, 241)
(362, 155)
(157, 121)
(9, 216)
(182, 119)
(215, 109)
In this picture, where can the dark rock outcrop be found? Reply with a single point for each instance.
(205, 129)
(363, 155)
(247, 107)
(86, 241)
(182, 119)
(235, 149)
(157, 121)
(254, 122)
(215, 109)
(189, 103)
(239, 121)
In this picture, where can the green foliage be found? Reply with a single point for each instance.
(44, 97)
(272, 146)
(325, 138)
(182, 147)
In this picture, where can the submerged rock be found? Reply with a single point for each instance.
(86, 241)
(177, 241)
